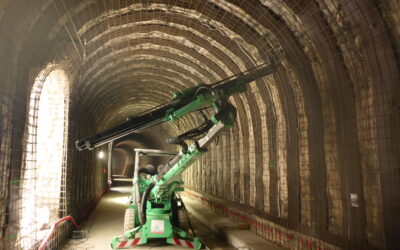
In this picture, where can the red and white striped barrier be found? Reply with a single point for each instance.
(129, 243)
(182, 243)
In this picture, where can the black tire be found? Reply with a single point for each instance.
(183, 219)
(129, 220)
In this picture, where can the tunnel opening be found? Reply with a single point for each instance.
(123, 154)
(43, 180)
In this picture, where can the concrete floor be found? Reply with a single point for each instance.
(106, 222)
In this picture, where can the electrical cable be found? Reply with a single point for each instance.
(198, 90)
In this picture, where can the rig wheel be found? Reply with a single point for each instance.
(129, 220)
(183, 219)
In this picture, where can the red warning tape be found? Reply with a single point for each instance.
(129, 243)
(183, 243)
(280, 234)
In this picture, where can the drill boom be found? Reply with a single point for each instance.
(184, 102)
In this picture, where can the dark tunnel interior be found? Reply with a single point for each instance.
(314, 153)
(123, 157)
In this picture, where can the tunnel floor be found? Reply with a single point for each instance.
(106, 222)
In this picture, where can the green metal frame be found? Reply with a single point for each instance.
(158, 212)
(159, 209)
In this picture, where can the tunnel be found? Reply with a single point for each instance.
(311, 162)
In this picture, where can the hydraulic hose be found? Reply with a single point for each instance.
(178, 141)
(143, 203)
(162, 171)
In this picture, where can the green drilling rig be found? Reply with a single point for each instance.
(155, 209)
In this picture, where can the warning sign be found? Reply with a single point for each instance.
(157, 226)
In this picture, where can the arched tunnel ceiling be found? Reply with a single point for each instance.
(132, 55)
(139, 54)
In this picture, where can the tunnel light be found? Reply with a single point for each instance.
(101, 155)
